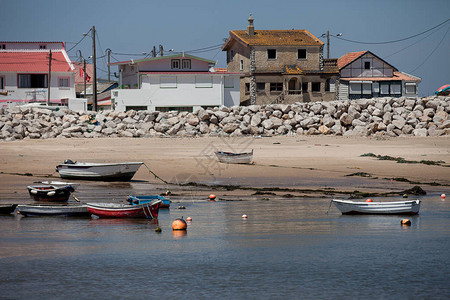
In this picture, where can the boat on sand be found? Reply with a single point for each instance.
(234, 158)
(53, 210)
(98, 171)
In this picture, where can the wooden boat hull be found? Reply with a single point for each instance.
(99, 171)
(134, 200)
(410, 207)
(50, 193)
(234, 158)
(53, 210)
(6, 209)
(113, 210)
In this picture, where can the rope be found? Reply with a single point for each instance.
(329, 206)
(156, 176)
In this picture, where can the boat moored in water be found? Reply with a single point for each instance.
(50, 193)
(53, 210)
(136, 200)
(148, 210)
(410, 207)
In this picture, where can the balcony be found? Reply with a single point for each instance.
(330, 62)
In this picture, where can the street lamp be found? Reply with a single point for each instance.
(327, 35)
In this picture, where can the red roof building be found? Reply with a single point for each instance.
(25, 70)
(365, 75)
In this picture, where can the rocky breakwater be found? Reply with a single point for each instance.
(372, 117)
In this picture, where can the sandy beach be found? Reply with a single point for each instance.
(299, 165)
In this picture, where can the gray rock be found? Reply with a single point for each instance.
(420, 132)
(399, 122)
(346, 119)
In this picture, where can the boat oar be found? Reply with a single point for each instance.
(76, 199)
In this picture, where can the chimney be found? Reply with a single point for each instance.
(250, 27)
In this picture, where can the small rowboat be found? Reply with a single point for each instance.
(53, 210)
(98, 171)
(50, 193)
(234, 158)
(148, 210)
(410, 207)
(135, 200)
(6, 209)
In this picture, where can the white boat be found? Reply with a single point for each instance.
(53, 210)
(98, 171)
(234, 158)
(60, 183)
(410, 207)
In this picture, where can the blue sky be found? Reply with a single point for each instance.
(132, 27)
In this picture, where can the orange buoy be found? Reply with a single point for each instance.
(189, 219)
(179, 224)
(212, 197)
(443, 196)
(406, 222)
(244, 216)
(369, 200)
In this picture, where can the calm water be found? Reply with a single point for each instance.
(286, 249)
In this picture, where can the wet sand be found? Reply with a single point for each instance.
(299, 166)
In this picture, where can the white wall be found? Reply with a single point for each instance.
(16, 94)
(184, 93)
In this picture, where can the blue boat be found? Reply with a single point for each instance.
(136, 200)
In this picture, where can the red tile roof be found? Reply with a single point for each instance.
(32, 61)
(348, 58)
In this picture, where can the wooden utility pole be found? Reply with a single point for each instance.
(49, 75)
(84, 75)
(328, 44)
(94, 57)
(109, 57)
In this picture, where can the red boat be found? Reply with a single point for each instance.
(148, 210)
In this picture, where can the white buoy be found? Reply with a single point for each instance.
(52, 193)
(34, 192)
(244, 216)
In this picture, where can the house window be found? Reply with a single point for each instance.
(202, 81)
(271, 54)
(43, 46)
(231, 55)
(304, 87)
(168, 82)
(186, 64)
(367, 65)
(127, 108)
(276, 86)
(355, 88)
(410, 88)
(32, 80)
(301, 53)
(63, 82)
(241, 65)
(174, 108)
(384, 88)
(260, 86)
(228, 82)
(247, 88)
(367, 88)
(175, 64)
(315, 86)
(2, 82)
(396, 89)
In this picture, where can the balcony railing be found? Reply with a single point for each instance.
(330, 62)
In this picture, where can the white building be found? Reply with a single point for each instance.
(24, 72)
(365, 75)
(175, 82)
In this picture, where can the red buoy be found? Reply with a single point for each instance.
(369, 200)
(212, 197)
(179, 224)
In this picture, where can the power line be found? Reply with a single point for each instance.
(79, 40)
(394, 41)
(432, 51)
(412, 43)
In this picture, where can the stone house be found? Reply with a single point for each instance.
(363, 75)
(280, 66)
